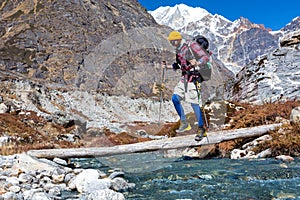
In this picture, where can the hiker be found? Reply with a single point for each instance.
(188, 88)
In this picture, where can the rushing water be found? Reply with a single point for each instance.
(159, 178)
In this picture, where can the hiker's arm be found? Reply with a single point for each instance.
(174, 66)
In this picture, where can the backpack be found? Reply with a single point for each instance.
(204, 71)
(202, 41)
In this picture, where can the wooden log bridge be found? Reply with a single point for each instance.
(154, 145)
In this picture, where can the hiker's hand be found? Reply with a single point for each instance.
(164, 65)
(194, 62)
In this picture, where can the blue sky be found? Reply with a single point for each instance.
(273, 14)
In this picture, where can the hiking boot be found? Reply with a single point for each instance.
(184, 126)
(201, 133)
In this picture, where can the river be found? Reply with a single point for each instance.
(157, 177)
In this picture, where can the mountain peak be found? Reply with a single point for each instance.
(247, 24)
(293, 25)
(178, 16)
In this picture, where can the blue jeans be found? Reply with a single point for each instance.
(179, 109)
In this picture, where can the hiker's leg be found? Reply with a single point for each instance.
(184, 125)
(178, 107)
(198, 113)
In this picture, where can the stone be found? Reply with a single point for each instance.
(72, 183)
(3, 140)
(60, 161)
(90, 186)
(295, 115)
(2, 189)
(14, 189)
(45, 180)
(119, 184)
(29, 193)
(25, 178)
(26, 164)
(285, 158)
(48, 186)
(13, 180)
(242, 154)
(9, 195)
(40, 196)
(49, 182)
(116, 174)
(58, 178)
(85, 177)
(265, 153)
(55, 191)
(3, 108)
(68, 177)
(105, 194)
(205, 176)
(254, 143)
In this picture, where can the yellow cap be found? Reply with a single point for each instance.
(174, 35)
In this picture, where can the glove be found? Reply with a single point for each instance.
(175, 66)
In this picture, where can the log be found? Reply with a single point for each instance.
(154, 145)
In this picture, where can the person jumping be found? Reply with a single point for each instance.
(188, 88)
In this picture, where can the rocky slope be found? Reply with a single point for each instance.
(49, 40)
(273, 76)
(113, 47)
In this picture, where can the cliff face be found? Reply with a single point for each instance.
(271, 77)
(49, 40)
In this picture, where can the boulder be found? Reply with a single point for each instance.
(3, 108)
(242, 154)
(295, 115)
(285, 158)
(105, 194)
(88, 181)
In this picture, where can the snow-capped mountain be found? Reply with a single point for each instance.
(294, 25)
(234, 43)
(182, 16)
(179, 16)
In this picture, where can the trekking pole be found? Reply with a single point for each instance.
(207, 125)
(205, 119)
(161, 89)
